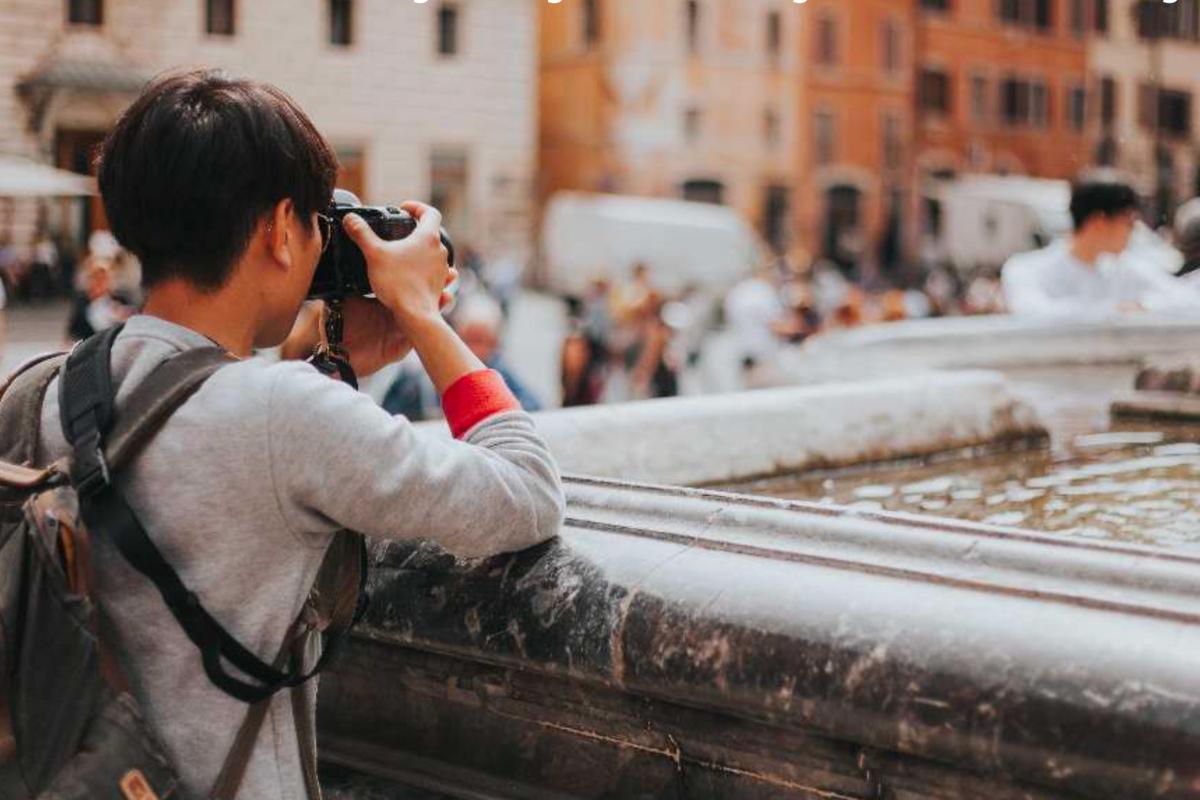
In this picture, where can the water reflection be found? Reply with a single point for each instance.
(1135, 482)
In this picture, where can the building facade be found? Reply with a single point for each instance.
(875, 99)
(1145, 68)
(696, 99)
(856, 142)
(434, 101)
(1002, 87)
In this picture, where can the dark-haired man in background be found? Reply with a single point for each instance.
(1080, 275)
(217, 186)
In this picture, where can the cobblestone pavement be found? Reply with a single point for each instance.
(31, 329)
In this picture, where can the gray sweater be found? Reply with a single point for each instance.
(242, 490)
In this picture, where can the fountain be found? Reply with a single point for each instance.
(689, 642)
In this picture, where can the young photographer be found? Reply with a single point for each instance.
(218, 187)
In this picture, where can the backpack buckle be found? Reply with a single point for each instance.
(89, 472)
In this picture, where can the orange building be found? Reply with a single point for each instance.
(1003, 86)
(693, 99)
(855, 145)
(799, 116)
(822, 122)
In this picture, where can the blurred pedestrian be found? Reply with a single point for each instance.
(851, 312)
(502, 276)
(479, 320)
(582, 368)
(756, 317)
(892, 307)
(801, 317)
(96, 308)
(12, 268)
(632, 296)
(652, 372)
(1187, 239)
(45, 278)
(1081, 275)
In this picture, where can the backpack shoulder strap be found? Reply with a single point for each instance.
(88, 420)
(156, 398)
(21, 399)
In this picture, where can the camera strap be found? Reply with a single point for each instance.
(331, 357)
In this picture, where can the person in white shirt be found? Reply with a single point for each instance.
(1187, 237)
(1081, 276)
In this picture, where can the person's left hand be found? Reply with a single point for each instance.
(370, 335)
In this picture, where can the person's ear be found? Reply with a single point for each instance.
(278, 232)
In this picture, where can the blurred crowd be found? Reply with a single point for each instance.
(628, 339)
(103, 286)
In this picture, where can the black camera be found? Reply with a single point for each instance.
(342, 271)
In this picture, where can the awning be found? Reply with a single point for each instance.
(23, 177)
(85, 75)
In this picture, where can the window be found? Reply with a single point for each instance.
(1025, 103)
(1107, 152)
(823, 138)
(341, 22)
(1076, 112)
(351, 170)
(889, 47)
(1100, 16)
(1179, 20)
(774, 35)
(892, 141)
(448, 187)
(1036, 14)
(979, 98)
(936, 5)
(1078, 17)
(447, 21)
(933, 91)
(1014, 101)
(774, 218)
(771, 128)
(827, 51)
(691, 124)
(1108, 101)
(591, 22)
(218, 17)
(692, 14)
(1039, 105)
(704, 191)
(85, 12)
(1170, 111)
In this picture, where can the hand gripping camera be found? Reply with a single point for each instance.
(342, 271)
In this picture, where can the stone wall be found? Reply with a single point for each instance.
(678, 643)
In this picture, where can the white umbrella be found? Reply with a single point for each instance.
(23, 177)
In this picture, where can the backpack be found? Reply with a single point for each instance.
(70, 728)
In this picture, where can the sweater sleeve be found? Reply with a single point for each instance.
(339, 461)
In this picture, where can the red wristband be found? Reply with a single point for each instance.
(473, 398)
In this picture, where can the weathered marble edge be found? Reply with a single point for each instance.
(1065, 667)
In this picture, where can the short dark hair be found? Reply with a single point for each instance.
(197, 160)
(1108, 197)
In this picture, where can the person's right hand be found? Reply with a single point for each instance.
(409, 276)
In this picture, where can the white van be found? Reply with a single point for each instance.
(984, 219)
(685, 244)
